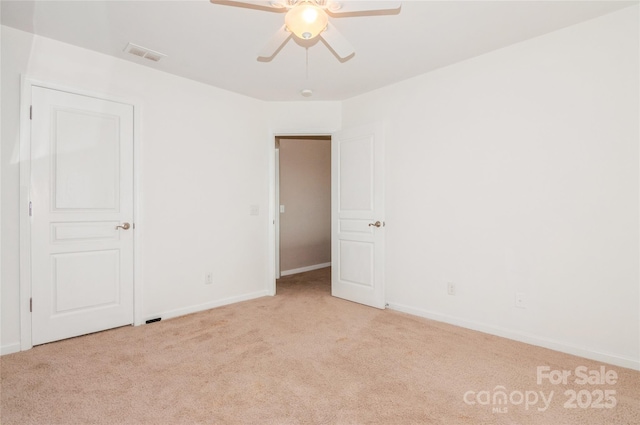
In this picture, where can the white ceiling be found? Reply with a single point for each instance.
(218, 44)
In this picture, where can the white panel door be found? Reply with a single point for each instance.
(357, 243)
(81, 191)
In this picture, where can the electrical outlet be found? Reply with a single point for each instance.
(521, 300)
(208, 278)
(451, 288)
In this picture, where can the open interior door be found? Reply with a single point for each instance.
(357, 247)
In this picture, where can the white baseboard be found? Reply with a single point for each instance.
(10, 348)
(627, 362)
(304, 269)
(207, 306)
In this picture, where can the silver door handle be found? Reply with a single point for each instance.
(124, 226)
(376, 224)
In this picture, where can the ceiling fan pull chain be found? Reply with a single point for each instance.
(307, 62)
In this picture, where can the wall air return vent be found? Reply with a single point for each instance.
(143, 52)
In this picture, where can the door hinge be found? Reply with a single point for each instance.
(30, 209)
(30, 305)
(31, 112)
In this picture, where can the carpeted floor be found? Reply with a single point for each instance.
(304, 357)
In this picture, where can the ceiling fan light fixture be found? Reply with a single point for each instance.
(306, 20)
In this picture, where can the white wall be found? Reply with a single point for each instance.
(519, 171)
(304, 117)
(204, 162)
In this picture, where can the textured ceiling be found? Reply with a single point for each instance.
(218, 44)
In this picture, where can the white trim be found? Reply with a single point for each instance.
(10, 349)
(521, 337)
(27, 83)
(138, 278)
(208, 305)
(305, 269)
(1, 239)
(270, 280)
(277, 212)
(25, 224)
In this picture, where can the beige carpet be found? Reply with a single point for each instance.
(302, 357)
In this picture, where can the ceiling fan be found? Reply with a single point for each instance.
(308, 19)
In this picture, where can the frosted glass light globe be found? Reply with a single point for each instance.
(306, 20)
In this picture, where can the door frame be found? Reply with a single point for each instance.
(27, 84)
(274, 207)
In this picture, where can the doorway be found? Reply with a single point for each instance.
(357, 214)
(303, 204)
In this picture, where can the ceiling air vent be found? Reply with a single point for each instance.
(143, 52)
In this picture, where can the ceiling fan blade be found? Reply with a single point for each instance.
(354, 6)
(337, 42)
(275, 43)
(272, 6)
